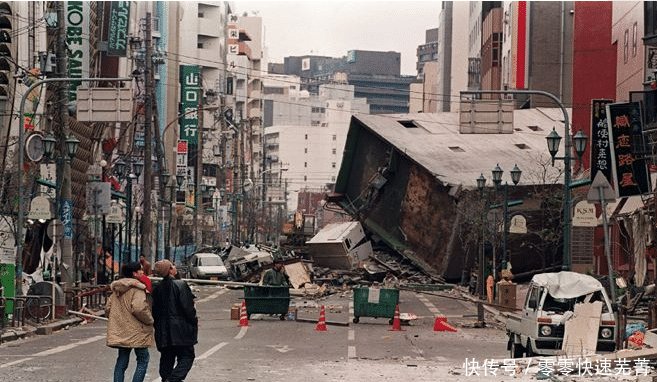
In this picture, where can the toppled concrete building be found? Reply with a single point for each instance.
(402, 177)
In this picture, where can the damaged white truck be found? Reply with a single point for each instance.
(551, 323)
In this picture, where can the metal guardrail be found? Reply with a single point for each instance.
(92, 298)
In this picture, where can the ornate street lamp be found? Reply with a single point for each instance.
(119, 167)
(481, 182)
(137, 167)
(165, 178)
(497, 175)
(49, 142)
(553, 141)
(72, 144)
(180, 179)
(497, 179)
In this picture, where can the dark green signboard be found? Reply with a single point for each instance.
(117, 38)
(189, 102)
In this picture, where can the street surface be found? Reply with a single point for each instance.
(273, 350)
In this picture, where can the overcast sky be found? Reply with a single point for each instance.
(331, 28)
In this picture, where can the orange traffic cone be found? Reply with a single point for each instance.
(244, 319)
(321, 324)
(441, 325)
(396, 322)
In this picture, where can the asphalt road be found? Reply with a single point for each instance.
(273, 350)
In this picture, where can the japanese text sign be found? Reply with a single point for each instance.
(629, 171)
(600, 150)
(189, 102)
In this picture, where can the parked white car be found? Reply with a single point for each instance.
(207, 266)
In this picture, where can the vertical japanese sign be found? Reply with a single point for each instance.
(117, 36)
(600, 150)
(67, 218)
(189, 102)
(77, 40)
(181, 166)
(629, 172)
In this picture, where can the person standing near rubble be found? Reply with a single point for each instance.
(130, 322)
(276, 276)
(176, 324)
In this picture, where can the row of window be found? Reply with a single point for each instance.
(333, 164)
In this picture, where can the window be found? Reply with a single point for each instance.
(456, 149)
(199, 45)
(201, 15)
(335, 137)
(333, 164)
(305, 164)
(306, 137)
(333, 179)
(334, 151)
(625, 45)
(305, 150)
(634, 37)
(533, 298)
(305, 178)
(522, 146)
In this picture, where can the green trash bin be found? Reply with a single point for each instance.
(267, 300)
(384, 306)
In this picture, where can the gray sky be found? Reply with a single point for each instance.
(331, 28)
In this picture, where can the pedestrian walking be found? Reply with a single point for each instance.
(176, 324)
(130, 322)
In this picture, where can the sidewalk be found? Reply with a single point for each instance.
(10, 333)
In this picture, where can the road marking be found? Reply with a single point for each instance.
(62, 348)
(351, 335)
(212, 350)
(351, 352)
(242, 332)
(213, 296)
(432, 308)
(14, 362)
(56, 350)
(280, 349)
(351, 310)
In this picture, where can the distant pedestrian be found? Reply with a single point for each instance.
(130, 322)
(276, 276)
(176, 324)
(146, 264)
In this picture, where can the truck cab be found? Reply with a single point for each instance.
(539, 329)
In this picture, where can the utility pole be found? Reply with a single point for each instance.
(148, 145)
(198, 169)
(64, 167)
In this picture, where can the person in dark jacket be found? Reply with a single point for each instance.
(276, 276)
(176, 324)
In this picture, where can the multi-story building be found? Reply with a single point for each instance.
(428, 51)
(375, 76)
(540, 53)
(453, 59)
(305, 140)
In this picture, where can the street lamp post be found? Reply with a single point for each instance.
(553, 140)
(497, 180)
(67, 255)
(481, 185)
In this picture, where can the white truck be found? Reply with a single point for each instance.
(551, 299)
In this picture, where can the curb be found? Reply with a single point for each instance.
(13, 334)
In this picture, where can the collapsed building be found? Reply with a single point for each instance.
(406, 177)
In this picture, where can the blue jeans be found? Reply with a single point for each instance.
(122, 364)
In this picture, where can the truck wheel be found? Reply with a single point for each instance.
(517, 350)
